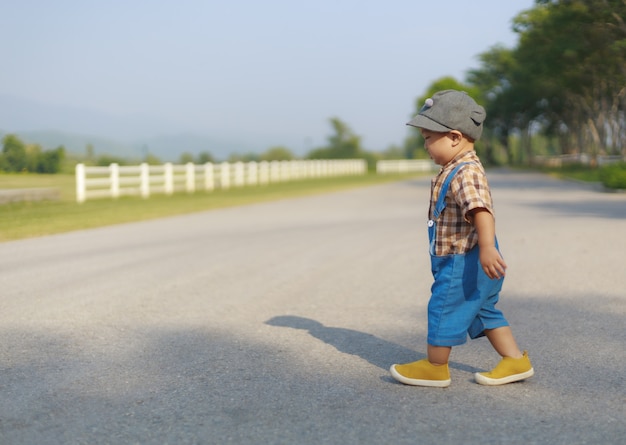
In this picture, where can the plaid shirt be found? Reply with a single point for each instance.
(468, 190)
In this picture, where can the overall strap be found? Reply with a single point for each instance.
(441, 200)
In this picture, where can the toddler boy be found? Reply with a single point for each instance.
(467, 267)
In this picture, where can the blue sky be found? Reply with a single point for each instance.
(266, 73)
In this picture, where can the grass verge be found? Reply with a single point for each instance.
(577, 172)
(32, 219)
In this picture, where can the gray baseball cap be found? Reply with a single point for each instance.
(451, 110)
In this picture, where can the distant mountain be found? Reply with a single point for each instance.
(166, 148)
(18, 114)
(77, 143)
(166, 145)
(123, 136)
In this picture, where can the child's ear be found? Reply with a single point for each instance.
(456, 136)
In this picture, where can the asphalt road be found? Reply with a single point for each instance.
(276, 323)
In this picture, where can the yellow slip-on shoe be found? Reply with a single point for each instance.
(508, 370)
(422, 373)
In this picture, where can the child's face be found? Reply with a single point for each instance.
(440, 146)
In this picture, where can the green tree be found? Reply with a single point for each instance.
(90, 152)
(505, 97)
(18, 157)
(151, 159)
(14, 156)
(566, 77)
(204, 157)
(246, 157)
(34, 154)
(393, 152)
(277, 154)
(342, 144)
(50, 161)
(185, 158)
(106, 160)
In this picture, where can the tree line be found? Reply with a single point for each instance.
(16, 156)
(561, 90)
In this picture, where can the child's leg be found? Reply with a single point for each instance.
(431, 371)
(438, 355)
(503, 342)
(514, 365)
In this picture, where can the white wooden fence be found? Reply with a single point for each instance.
(143, 180)
(405, 166)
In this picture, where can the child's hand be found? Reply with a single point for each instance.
(493, 264)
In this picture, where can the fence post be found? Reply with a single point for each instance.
(299, 167)
(274, 171)
(115, 180)
(190, 178)
(225, 175)
(168, 172)
(144, 178)
(209, 182)
(264, 172)
(81, 192)
(285, 171)
(253, 173)
(239, 174)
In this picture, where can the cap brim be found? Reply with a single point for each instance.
(421, 121)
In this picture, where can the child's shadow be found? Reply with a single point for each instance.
(375, 350)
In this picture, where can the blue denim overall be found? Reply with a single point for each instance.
(463, 297)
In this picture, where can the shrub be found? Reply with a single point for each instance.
(614, 176)
(16, 156)
(106, 160)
